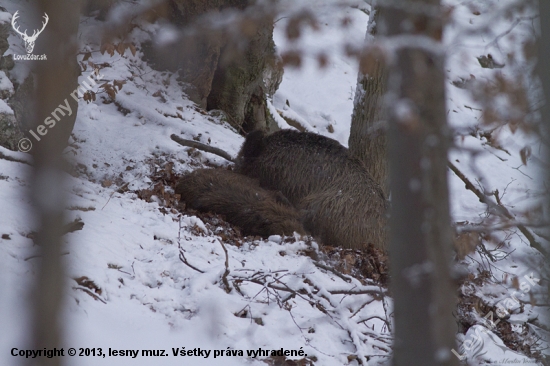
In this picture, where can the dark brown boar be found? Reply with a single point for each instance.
(341, 203)
(241, 200)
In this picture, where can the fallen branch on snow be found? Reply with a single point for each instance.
(203, 147)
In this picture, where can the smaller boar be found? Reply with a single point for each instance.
(241, 200)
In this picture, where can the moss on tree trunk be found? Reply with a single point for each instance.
(220, 69)
(238, 87)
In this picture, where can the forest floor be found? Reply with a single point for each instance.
(144, 273)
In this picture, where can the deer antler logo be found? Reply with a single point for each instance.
(29, 40)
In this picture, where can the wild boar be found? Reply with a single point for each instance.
(241, 200)
(339, 201)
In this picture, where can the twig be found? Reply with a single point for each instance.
(518, 21)
(316, 299)
(362, 307)
(281, 18)
(521, 171)
(500, 209)
(226, 273)
(375, 317)
(112, 193)
(203, 147)
(9, 158)
(295, 323)
(357, 292)
(327, 268)
(184, 260)
(182, 256)
(270, 285)
(90, 293)
(386, 312)
(477, 228)
(293, 293)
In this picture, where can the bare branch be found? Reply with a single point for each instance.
(203, 147)
(330, 269)
(499, 209)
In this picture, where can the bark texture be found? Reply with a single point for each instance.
(238, 87)
(420, 228)
(233, 69)
(367, 140)
(544, 74)
(199, 48)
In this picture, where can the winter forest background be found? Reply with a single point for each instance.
(442, 101)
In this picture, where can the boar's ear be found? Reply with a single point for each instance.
(253, 145)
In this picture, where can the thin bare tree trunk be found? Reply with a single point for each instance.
(367, 139)
(56, 79)
(420, 227)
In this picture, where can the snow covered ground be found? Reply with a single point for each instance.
(157, 276)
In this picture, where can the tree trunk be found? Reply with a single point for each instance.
(420, 227)
(199, 50)
(238, 87)
(23, 122)
(222, 68)
(544, 74)
(367, 140)
(56, 79)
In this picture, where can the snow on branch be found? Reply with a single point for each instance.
(498, 207)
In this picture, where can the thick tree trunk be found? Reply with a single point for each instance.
(23, 99)
(367, 140)
(198, 50)
(222, 68)
(420, 228)
(238, 87)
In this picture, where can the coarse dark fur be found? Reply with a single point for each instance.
(341, 203)
(241, 200)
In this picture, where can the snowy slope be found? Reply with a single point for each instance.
(127, 285)
(146, 297)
